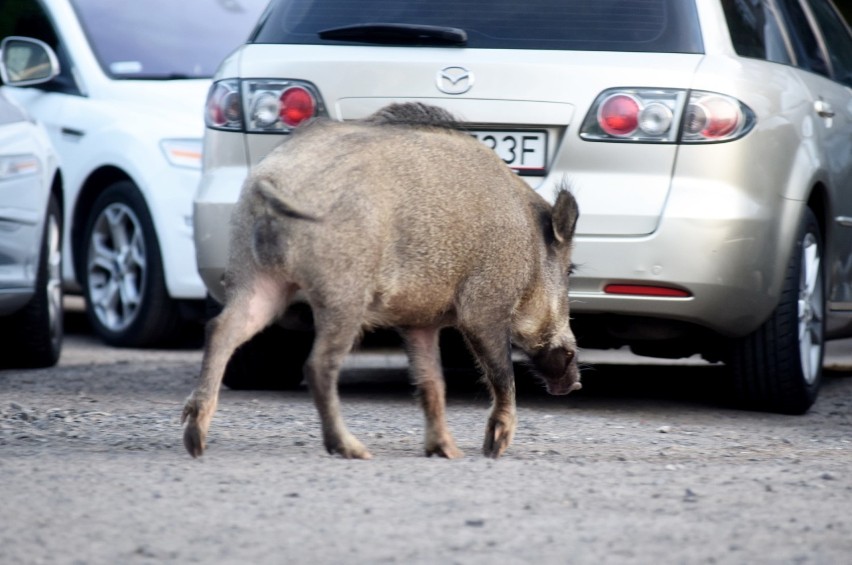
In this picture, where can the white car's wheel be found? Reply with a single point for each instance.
(779, 366)
(33, 336)
(124, 285)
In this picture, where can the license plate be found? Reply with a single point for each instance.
(523, 151)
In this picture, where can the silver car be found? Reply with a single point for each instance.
(707, 142)
(30, 219)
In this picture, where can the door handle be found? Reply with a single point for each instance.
(72, 133)
(823, 109)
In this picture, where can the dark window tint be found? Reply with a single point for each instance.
(837, 40)
(810, 55)
(755, 31)
(25, 18)
(598, 25)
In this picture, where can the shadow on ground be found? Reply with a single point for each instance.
(699, 385)
(696, 385)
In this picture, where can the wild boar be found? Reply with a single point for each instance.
(399, 220)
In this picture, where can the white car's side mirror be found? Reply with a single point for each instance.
(25, 62)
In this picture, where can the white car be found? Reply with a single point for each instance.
(707, 141)
(30, 222)
(125, 115)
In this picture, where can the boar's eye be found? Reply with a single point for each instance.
(571, 269)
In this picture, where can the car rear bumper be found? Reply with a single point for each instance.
(211, 224)
(725, 250)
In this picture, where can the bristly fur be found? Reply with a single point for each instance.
(396, 221)
(266, 190)
(414, 114)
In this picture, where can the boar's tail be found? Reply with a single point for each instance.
(276, 202)
(269, 241)
(414, 114)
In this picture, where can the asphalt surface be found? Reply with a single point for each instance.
(647, 464)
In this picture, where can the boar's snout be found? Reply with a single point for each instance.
(558, 367)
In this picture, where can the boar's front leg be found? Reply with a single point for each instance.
(336, 332)
(247, 313)
(492, 348)
(424, 356)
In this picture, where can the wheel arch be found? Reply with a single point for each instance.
(98, 181)
(818, 201)
(57, 191)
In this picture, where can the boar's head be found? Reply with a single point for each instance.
(542, 326)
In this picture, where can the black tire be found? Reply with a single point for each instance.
(455, 354)
(33, 335)
(274, 359)
(122, 272)
(778, 368)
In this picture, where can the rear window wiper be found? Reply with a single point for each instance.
(396, 34)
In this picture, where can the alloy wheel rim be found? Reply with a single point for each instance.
(54, 280)
(116, 267)
(810, 309)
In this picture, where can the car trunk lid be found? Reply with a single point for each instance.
(621, 187)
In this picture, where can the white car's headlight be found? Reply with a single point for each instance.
(16, 166)
(182, 152)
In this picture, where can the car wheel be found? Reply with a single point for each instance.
(455, 353)
(274, 359)
(33, 335)
(123, 279)
(779, 366)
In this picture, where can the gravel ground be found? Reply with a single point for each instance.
(645, 465)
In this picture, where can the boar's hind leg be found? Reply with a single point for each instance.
(492, 349)
(424, 355)
(247, 313)
(335, 335)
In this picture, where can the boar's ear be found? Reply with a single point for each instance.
(565, 213)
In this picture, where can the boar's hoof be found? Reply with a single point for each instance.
(193, 438)
(350, 448)
(444, 448)
(498, 436)
(193, 435)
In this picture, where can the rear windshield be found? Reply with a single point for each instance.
(666, 26)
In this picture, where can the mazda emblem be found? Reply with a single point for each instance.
(454, 80)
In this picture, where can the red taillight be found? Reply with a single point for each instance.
(646, 290)
(297, 105)
(223, 106)
(663, 115)
(619, 115)
(712, 117)
(261, 105)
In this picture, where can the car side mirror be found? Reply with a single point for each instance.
(25, 61)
